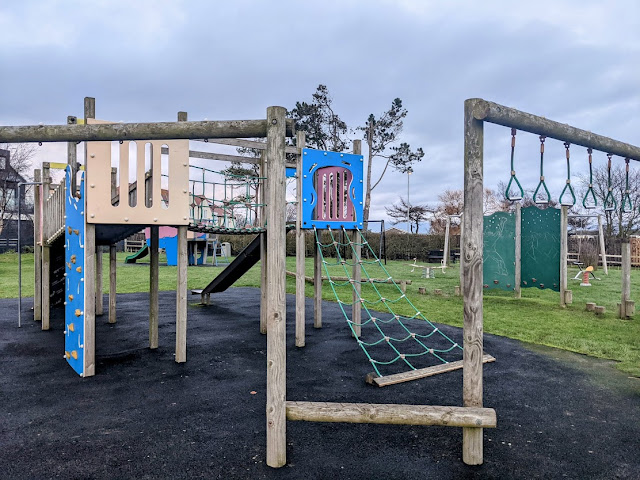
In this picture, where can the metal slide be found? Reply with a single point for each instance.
(246, 259)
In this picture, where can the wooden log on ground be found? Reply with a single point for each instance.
(591, 306)
(391, 414)
(568, 297)
(422, 290)
(456, 290)
(437, 291)
(600, 310)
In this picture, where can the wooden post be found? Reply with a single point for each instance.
(462, 253)
(38, 201)
(624, 311)
(356, 308)
(90, 300)
(99, 299)
(276, 302)
(112, 284)
(518, 249)
(472, 267)
(445, 254)
(603, 248)
(153, 286)
(564, 212)
(46, 286)
(317, 284)
(264, 253)
(181, 297)
(300, 249)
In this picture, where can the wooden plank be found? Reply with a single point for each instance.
(445, 253)
(89, 300)
(181, 297)
(99, 288)
(311, 280)
(153, 286)
(112, 283)
(137, 131)
(626, 279)
(471, 264)
(241, 142)
(420, 373)
(603, 249)
(387, 414)
(264, 253)
(564, 212)
(317, 281)
(300, 249)
(46, 286)
(276, 304)
(37, 246)
(461, 253)
(518, 252)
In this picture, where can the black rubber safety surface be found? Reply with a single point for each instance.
(560, 415)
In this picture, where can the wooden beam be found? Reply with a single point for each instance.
(445, 253)
(89, 367)
(564, 212)
(181, 297)
(311, 280)
(386, 380)
(603, 248)
(392, 414)
(46, 286)
(99, 288)
(300, 249)
(154, 271)
(264, 253)
(37, 246)
(241, 142)
(317, 281)
(356, 306)
(112, 283)
(137, 131)
(276, 301)
(625, 308)
(471, 263)
(510, 117)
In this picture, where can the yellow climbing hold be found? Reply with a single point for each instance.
(78, 312)
(77, 232)
(73, 259)
(70, 298)
(71, 327)
(70, 230)
(74, 354)
(79, 269)
(67, 354)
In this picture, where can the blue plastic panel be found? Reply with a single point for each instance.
(74, 257)
(290, 172)
(312, 161)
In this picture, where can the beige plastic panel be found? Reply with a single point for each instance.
(98, 184)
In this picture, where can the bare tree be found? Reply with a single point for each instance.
(14, 165)
(417, 214)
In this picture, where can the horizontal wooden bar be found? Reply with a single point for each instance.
(138, 131)
(510, 117)
(311, 280)
(391, 414)
(241, 142)
(372, 378)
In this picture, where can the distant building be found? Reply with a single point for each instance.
(9, 180)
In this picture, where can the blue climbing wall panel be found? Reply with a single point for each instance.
(314, 161)
(74, 256)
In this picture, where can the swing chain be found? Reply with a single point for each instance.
(513, 173)
(610, 202)
(627, 205)
(542, 183)
(568, 184)
(590, 189)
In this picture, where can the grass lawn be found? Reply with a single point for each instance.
(536, 318)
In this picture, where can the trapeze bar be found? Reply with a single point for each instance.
(138, 131)
(510, 117)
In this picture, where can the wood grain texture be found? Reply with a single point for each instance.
(276, 279)
(241, 142)
(300, 249)
(99, 287)
(510, 117)
(112, 283)
(603, 249)
(264, 253)
(445, 254)
(420, 373)
(154, 270)
(625, 307)
(317, 281)
(181, 297)
(37, 247)
(89, 300)
(391, 414)
(46, 287)
(473, 221)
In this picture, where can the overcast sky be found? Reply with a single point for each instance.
(576, 62)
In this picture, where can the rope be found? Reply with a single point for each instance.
(389, 328)
(568, 184)
(593, 202)
(627, 205)
(541, 201)
(513, 178)
(610, 202)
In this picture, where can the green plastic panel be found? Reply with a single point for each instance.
(541, 248)
(499, 251)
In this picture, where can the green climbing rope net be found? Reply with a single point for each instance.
(392, 342)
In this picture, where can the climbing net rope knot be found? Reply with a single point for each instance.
(393, 341)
